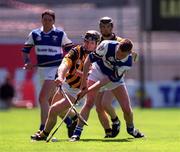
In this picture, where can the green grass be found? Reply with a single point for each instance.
(161, 127)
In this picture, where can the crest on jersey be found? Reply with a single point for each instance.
(54, 37)
(111, 58)
(38, 38)
(101, 47)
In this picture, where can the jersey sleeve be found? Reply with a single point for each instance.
(70, 57)
(65, 39)
(29, 43)
(121, 70)
(99, 53)
(66, 43)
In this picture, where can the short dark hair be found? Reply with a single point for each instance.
(126, 45)
(49, 12)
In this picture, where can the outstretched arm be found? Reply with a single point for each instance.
(62, 70)
(95, 86)
(27, 63)
(65, 66)
(86, 68)
(26, 50)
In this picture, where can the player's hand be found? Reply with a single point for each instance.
(58, 81)
(135, 56)
(82, 93)
(28, 66)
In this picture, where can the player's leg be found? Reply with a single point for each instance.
(110, 110)
(48, 88)
(46, 92)
(85, 111)
(122, 96)
(103, 118)
(56, 97)
(71, 119)
(56, 109)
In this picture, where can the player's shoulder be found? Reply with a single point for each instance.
(107, 42)
(74, 52)
(103, 44)
(76, 48)
(36, 30)
(102, 47)
(58, 30)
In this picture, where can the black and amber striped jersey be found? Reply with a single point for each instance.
(75, 60)
(117, 38)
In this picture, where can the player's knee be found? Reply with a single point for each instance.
(99, 109)
(106, 106)
(43, 99)
(89, 105)
(52, 111)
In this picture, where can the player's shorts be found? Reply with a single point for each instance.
(95, 74)
(47, 73)
(71, 91)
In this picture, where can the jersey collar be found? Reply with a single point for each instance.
(112, 38)
(53, 29)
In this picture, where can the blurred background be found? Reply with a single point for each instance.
(153, 26)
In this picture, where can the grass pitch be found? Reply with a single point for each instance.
(161, 126)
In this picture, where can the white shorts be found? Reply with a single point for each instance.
(71, 91)
(47, 73)
(95, 74)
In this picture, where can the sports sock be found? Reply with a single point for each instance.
(78, 131)
(74, 118)
(68, 121)
(115, 120)
(108, 131)
(45, 133)
(130, 128)
(41, 127)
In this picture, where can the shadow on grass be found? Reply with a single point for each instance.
(99, 140)
(108, 140)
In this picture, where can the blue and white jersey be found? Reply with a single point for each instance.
(105, 58)
(48, 46)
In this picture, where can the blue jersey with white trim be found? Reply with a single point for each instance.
(48, 46)
(105, 58)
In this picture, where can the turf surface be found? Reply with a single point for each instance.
(161, 126)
